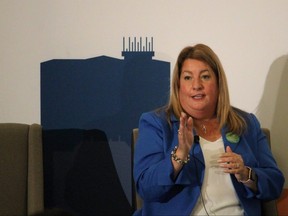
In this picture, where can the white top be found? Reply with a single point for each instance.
(217, 193)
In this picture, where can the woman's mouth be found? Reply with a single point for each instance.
(198, 96)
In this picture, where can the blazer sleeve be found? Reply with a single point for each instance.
(270, 178)
(153, 169)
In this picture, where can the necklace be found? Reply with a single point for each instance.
(203, 127)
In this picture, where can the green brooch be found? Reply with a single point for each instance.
(232, 138)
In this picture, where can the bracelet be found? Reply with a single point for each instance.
(178, 160)
(250, 177)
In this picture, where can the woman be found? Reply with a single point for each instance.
(199, 155)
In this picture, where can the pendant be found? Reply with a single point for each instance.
(203, 127)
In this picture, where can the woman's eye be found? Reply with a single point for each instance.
(187, 77)
(205, 77)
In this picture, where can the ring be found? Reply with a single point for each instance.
(179, 132)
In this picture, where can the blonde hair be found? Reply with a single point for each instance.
(226, 114)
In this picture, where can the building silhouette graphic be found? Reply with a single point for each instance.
(92, 104)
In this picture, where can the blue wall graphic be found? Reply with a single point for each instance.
(93, 104)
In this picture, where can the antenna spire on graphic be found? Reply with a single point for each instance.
(133, 47)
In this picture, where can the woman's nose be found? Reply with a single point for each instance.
(197, 85)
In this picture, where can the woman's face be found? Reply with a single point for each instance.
(198, 92)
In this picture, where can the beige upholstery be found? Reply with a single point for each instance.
(269, 208)
(21, 169)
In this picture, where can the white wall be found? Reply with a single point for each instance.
(248, 35)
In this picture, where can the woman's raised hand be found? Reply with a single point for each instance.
(185, 135)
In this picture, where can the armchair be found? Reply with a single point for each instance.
(21, 165)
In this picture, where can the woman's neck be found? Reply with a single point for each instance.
(208, 128)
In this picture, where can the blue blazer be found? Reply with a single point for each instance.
(163, 195)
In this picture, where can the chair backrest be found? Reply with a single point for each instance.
(21, 165)
(268, 207)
